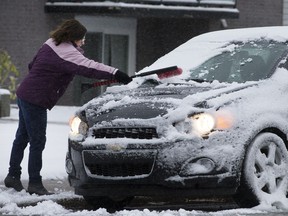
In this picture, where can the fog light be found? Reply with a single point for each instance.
(196, 167)
(69, 166)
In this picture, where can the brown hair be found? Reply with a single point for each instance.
(70, 30)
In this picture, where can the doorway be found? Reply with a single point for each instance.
(111, 41)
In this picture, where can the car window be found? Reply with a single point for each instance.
(250, 61)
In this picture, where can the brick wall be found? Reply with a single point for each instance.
(24, 27)
(254, 13)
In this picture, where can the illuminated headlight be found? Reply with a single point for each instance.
(203, 124)
(77, 126)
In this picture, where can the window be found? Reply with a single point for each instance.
(111, 41)
(249, 61)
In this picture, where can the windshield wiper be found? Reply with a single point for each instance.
(199, 80)
(150, 82)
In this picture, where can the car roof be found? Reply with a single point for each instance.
(277, 33)
(198, 49)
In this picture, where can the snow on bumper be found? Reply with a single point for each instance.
(149, 168)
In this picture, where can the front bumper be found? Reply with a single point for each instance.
(145, 170)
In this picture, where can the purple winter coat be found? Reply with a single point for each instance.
(53, 68)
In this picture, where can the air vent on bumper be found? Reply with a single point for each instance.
(125, 164)
(133, 132)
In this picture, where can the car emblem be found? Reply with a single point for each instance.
(115, 147)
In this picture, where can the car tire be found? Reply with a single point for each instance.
(105, 202)
(264, 177)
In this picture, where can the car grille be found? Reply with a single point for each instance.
(134, 133)
(117, 170)
(126, 164)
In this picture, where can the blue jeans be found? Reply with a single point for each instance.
(31, 129)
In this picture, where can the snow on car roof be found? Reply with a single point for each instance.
(200, 48)
(278, 33)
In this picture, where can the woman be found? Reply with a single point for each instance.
(57, 62)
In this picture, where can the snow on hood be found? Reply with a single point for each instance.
(171, 95)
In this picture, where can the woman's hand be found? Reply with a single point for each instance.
(122, 77)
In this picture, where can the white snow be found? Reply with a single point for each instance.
(4, 92)
(147, 6)
(58, 130)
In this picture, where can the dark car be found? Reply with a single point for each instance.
(219, 129)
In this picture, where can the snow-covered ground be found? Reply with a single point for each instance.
(53, 168)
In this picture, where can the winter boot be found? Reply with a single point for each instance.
(13, 182)
(37, 188)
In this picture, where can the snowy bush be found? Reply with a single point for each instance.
(8, 73)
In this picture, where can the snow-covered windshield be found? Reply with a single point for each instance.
(240, 62)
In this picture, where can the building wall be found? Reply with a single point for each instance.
(255, 13)
(21, 29)
(24, 27)
(285, 12)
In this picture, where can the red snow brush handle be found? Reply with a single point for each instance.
(162, 73)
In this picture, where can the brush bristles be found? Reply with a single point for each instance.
(106, 82)
(168, 74)
(162, 75)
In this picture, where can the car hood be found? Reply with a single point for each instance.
(152, 102)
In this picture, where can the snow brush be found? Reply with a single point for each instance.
(162, 73)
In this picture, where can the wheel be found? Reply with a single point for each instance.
(108, 203)
(265, 173)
